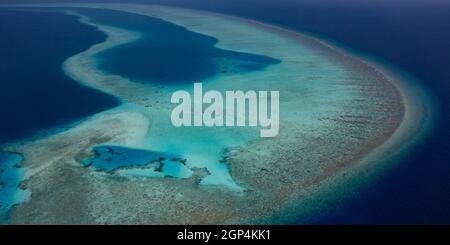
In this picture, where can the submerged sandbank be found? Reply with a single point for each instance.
(335, 111)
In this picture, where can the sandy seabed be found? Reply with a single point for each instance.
(340, 116)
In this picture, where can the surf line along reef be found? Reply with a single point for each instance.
(235, 112)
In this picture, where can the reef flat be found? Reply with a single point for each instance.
(339, 115)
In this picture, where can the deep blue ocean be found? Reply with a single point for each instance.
(35, 94)
(413, 35)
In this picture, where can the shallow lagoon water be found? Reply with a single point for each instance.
(109, 158)
(137, 162)
(10, 179)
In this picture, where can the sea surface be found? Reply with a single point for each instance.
(171, 56)
(137, 162)
(36, 98)
(167, 53)
(410, 35)
(35, 95)
(10, 178)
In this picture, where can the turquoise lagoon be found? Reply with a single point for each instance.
(130, 162)
(10, 178)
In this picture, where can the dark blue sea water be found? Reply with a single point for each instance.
(167, 53)
(35, 94)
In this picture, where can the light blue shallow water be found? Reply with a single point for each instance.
(10, 178)
(137, 163)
